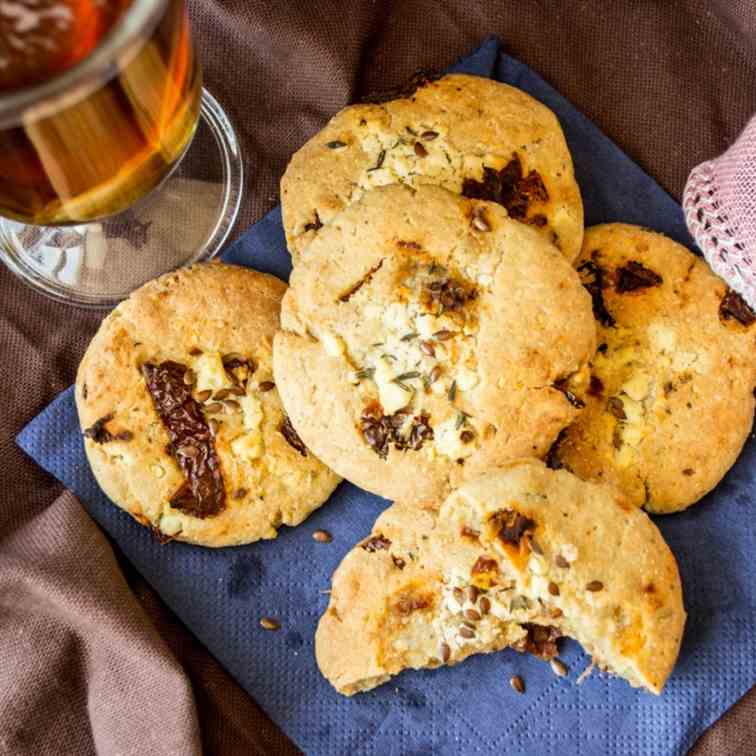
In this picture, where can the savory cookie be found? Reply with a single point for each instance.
(182, 422)
(671, 399)
(468, 134)
(428, 337)
(518, 557)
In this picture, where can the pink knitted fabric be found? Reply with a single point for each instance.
(720, 209)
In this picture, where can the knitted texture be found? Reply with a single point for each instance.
(720, 209)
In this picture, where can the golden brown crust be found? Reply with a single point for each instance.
(672, 401)
(194, 317)
(448, 131)
(367, 337)
(579, 559)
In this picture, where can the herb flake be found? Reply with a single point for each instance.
(452, 394)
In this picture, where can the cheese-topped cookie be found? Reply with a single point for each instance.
(182, 422)
(471, 135)
(516, 558)
(671, 400)
(427, 337)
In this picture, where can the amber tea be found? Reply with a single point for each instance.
(97, 155)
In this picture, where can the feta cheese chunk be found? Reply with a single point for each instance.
(211, 375)
(448, 442)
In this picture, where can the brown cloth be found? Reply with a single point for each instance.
(90, 658)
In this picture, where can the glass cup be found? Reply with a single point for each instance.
(119, 167)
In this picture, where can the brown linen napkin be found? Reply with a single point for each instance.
(81, 668)
(81, 662)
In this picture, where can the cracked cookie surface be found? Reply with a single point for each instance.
(516, 558)
(671, 399)
(183, 426)
(471, 135)
(427, 337)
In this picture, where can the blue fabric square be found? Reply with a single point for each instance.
(471, 708)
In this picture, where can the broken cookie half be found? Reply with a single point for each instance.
(516, 558)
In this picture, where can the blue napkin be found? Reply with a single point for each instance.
(471, 708)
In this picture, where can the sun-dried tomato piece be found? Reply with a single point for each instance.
(508, 187)
(541, 641)
(292, 437)
(734, 306)
(596, 387)
(191, 441)
(511, 526)
(634, 276)
(314, 225)
(97, 432)
(592, 278)
(553, 462)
